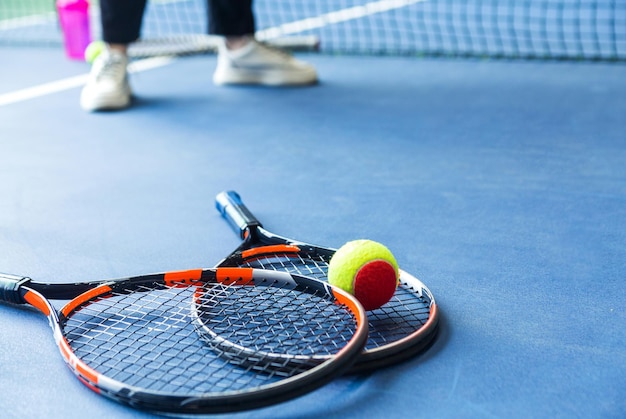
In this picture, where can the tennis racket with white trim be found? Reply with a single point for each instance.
(400, 329)
(143, 341)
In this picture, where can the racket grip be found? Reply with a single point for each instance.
(10, 288)
(232, 208)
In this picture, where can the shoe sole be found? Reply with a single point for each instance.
(267, 78)
(110, 102)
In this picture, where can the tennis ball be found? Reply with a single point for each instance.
(366, 269)
(94, 49)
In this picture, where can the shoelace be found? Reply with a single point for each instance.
(271, 50)
(112, 67)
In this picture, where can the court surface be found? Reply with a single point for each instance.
(500, 184)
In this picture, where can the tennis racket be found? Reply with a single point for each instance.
(143, 341)
(400, 329)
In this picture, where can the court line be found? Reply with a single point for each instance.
(76, 81)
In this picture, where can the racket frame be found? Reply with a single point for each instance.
(22, 290)
(257, 242)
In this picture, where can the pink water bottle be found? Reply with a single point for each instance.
(74, 18)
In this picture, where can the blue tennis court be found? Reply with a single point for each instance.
(498, 181)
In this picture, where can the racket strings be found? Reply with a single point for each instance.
(403, 315)
(406, 312)
(147, 340)
(154, 338)
(272, 329)
(313, 267)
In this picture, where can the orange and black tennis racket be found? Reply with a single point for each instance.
(200, 341)
(400, 329)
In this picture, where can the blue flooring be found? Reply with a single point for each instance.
(501, 184)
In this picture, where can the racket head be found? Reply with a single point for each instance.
(400, 329)
(139, 340)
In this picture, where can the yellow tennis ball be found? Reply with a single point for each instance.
(94, 49)
(366, 269)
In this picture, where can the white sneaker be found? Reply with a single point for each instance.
(107, 87)
(256, 63)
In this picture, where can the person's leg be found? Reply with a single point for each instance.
(121, 21)
(231, 18)
(243, 60)
(108, 86)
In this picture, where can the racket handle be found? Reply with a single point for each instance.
(232, 208)
(10, 288)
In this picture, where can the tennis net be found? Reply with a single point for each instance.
(529, 29)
